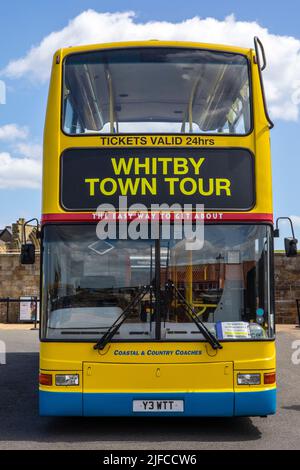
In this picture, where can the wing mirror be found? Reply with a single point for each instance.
(290, 244)
(27, 253)
(28, 249)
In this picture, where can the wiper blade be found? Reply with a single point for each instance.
(112, 330)
(212, 339)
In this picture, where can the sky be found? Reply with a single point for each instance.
(31, 31)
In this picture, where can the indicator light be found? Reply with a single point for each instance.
(45, 379)
(269, 378)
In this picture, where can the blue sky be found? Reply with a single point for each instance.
(23, 25)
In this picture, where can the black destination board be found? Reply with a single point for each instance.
(221, 179)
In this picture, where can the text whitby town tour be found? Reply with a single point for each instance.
(135, 175)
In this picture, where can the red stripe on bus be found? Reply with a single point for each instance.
(208, 217)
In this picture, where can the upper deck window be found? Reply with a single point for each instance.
(156, 90)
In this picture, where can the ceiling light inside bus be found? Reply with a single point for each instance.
(67, 380)
(248, 379)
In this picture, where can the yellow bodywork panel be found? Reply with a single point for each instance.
(157, 366)
(55, 141)
(157, 377)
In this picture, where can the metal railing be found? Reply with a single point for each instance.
(298, 311)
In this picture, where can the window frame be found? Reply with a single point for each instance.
(158, 322)
(98, 134)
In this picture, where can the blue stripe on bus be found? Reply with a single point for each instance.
(195, 404)
(60, 403)
(255, 403)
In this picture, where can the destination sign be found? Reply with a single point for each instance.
(221, 179)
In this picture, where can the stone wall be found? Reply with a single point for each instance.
(287, 287)
(17, 280)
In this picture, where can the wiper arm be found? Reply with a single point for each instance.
(112, 330)
(213, 341)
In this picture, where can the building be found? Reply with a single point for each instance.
(11, 237)
(16, 280)
(287, 288)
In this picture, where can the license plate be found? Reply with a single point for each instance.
(158, 406)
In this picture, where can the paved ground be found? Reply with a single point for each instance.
(22, 428)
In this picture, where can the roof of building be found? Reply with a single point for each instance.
(6, 232)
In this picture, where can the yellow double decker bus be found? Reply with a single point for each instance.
(136, 318)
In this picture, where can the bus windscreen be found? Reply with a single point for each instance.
(156, 90)
(88, 283)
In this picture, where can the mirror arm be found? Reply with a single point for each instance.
(258, 45)
(276, 231)
(38, 233)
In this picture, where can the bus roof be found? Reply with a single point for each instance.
(154, 43)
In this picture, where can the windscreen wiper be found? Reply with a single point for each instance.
(213, 341)
(112, 330)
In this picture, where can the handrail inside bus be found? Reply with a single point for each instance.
(112, 117)
(191, 101)
(92, 91)
(189, 112)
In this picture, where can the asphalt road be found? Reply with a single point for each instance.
(22, 428)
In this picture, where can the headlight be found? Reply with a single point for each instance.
(248, 379)
(67, 379)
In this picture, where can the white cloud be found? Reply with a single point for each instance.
(10, 132)
(281, 76)
(296, 220)
(20, 159)
(19, 172)
(29, 150)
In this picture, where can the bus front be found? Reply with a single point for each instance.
(157, 237)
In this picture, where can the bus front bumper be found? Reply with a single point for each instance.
(255, 403)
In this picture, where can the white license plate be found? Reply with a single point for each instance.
(158, 406)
